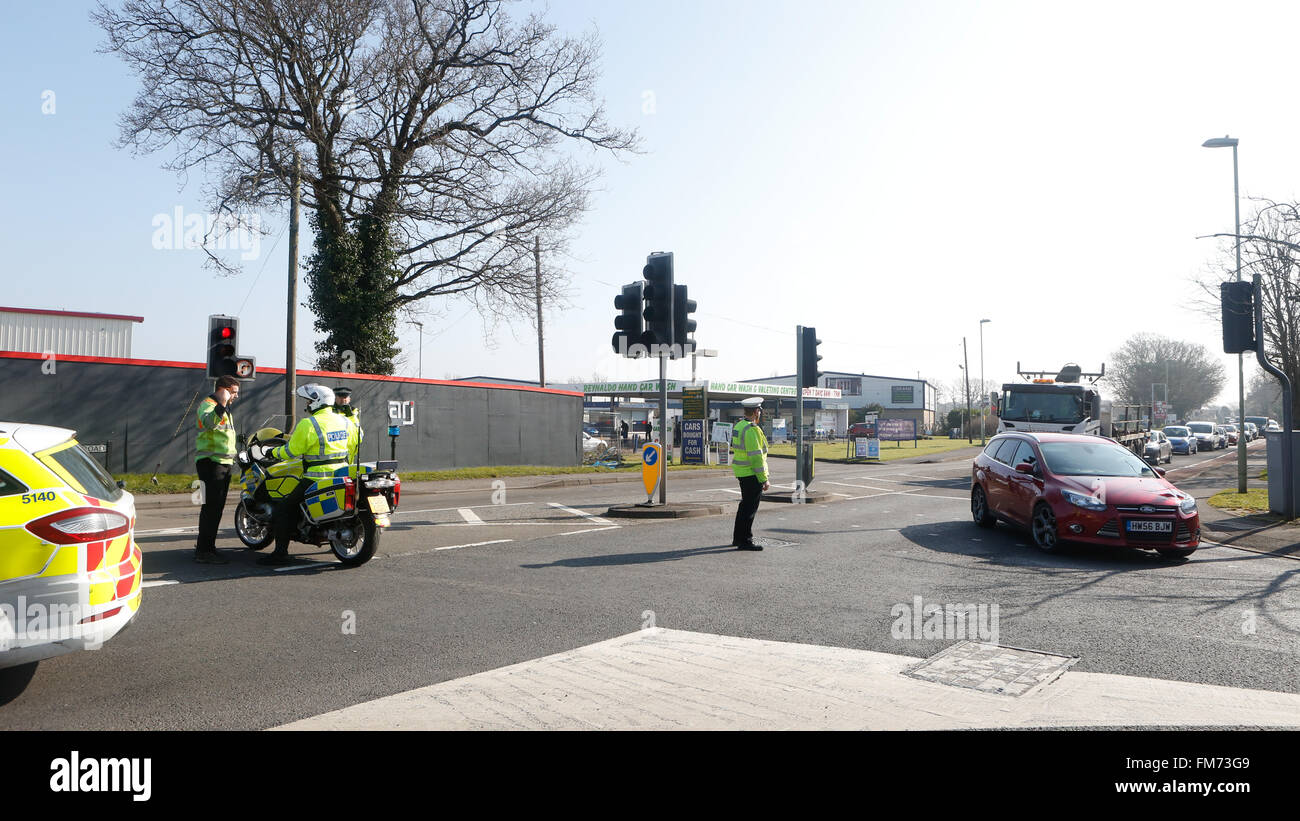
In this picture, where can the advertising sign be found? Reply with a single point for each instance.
(896, 430)
(902, 394)
(721, 433)
(651, 464)
(693, 445)
(779, 430)
(693, 404)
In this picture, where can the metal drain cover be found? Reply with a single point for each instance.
(766, 541)
(992, 668)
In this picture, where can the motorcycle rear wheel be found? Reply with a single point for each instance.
(364, 542)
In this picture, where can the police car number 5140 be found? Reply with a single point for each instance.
(43, 496)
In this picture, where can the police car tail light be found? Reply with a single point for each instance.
(80, 525)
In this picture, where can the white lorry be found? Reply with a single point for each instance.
(1062, 403)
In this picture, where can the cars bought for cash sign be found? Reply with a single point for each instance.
(896, 430)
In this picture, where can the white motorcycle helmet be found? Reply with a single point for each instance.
(318, 396)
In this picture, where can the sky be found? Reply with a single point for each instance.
(890, 173)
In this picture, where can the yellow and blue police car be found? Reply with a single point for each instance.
(69, 565)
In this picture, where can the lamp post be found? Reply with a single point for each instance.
(419, 374)
(1231, 142)
(983, 392)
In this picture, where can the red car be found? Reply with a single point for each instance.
(1089, 489)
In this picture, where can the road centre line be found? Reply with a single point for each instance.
(588, 516)
(159, 583)
(473, 544)
(469, 516)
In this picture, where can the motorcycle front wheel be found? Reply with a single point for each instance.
(251, 532)
(361, 546)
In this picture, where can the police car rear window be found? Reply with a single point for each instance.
(88, 473)
(10, 486)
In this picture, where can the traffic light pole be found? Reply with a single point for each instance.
(667, 431)
(798, 406)
(1288, 467)
(291, 322)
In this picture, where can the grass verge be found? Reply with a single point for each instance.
(837, 451)
(140, 484)
(1254, 500)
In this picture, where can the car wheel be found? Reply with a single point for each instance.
(1180, 553)
(979, 508)
(1044, 528)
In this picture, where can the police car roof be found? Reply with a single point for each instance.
(32, 438)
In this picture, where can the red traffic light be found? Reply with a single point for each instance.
(226, 333)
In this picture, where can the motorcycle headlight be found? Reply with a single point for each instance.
(1086, 502)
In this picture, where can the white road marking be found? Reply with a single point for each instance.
(470, 516)
(589, 530)
(864, 487)
(308, 566)
(168, 531)
(159, 583)
(473, 544)
(441, 509)
(718, 490)
(588, 516)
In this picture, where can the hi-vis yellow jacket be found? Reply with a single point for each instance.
(748, 450)
(216, 438)
(326, 443)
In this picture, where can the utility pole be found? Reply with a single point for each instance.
(541, 357)
(291, 323)
(965, 369)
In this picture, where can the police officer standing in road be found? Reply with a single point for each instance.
(344, 407)
(215, 455)
(749, 463)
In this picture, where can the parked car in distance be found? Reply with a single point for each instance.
(860, 429)
(1159, 449)
(1260, 423)
(1089, 489)
(592, 444)
(1228, 436)
(1233, 433)
(1252, 431)
(1181, 439)
(1273, 425)
(1206, 436)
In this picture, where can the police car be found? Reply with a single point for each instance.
(69, 565)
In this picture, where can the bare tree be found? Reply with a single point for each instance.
(1193, 376)
(432, 134)
(1270, 247)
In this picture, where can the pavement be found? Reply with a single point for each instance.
(1249, 530)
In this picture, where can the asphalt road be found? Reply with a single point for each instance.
(462, 585)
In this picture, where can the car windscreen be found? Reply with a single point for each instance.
(1066, 407)
(1092, 459)
(1177, 432)
(88, 473)
(1201, 427)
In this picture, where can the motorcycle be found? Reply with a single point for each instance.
(348, 514)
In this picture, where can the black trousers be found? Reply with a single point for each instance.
(284, 519)
(216, 482)
(751, 491)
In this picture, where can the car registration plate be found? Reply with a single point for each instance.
(1149, 526)
(378, 504)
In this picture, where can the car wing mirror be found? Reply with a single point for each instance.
(1025, 467)
(1160, 471)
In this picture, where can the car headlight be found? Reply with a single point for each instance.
(1188, 505)
(1086, 502)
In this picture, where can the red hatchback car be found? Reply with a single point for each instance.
(1068, 487)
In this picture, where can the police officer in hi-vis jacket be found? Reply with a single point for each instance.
(749, 463)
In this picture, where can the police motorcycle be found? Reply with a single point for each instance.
(349, 514)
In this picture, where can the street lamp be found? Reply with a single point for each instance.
(707, 352)
(420, 372)
(982, 385)
(1231, 142)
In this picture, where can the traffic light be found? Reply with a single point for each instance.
(683, 325)
(1238, 300)
(658, 300)
(223, 342)
(629, 321)
(808, 366)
